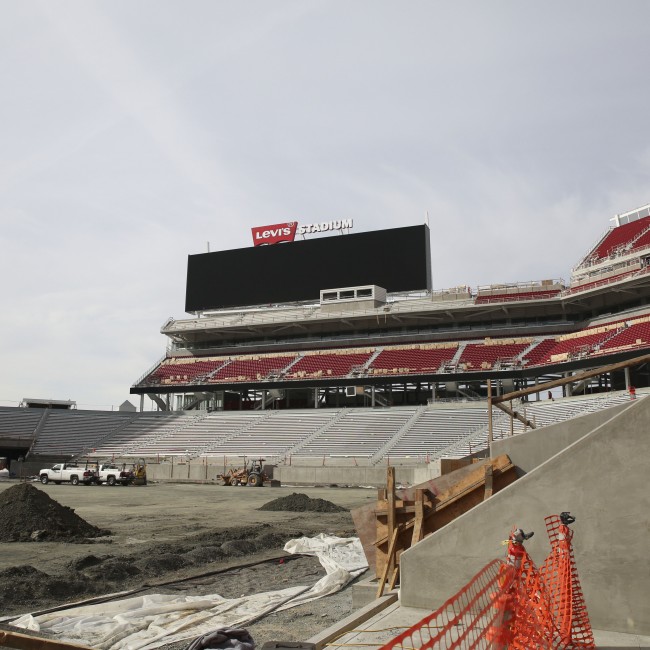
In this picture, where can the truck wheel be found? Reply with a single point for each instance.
(74, 480)
(111, 480)
(254, 480)
(44, 479)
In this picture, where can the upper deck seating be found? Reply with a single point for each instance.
(601, 282)
(482, 356)
(252, 368)
(535, 355)
(524, 295)
(183, 370)
(635, 336)
(577, 345)
(328, 364)
(414, 359)
(619, 237)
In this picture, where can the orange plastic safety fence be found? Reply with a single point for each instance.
(511, 605)
(467, 619)
(560, 576)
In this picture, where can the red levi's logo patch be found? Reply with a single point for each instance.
(280, 232)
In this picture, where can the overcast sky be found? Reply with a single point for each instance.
(133, 132)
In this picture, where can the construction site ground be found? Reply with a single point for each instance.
(204, 539)
(165, 532)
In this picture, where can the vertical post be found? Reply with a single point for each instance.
(627, 378)
(489, 483)
(490, 435)
(419, 516)
(390, 495)
(512, 421)
(142, 403)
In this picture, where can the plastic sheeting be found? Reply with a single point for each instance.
(146, 622)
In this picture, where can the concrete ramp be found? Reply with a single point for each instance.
(603, 479)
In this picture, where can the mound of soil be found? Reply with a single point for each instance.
(298, 502)
(26, 586)
(29, 515)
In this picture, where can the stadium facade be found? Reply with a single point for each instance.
(351, 320)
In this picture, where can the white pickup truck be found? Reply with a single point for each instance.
(62, 472)
(107, 473)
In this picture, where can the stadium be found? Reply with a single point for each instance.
(334, 357)
(356, 359)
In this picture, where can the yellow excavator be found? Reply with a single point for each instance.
(137, 475)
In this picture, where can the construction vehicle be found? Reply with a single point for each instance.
(253, 475)
(136, 475)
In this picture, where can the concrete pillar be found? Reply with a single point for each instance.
(627, 378)
(141, 402)
(568, 387)
(315, 398)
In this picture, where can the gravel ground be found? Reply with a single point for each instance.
(215, 539)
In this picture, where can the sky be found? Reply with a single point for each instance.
(134, 132)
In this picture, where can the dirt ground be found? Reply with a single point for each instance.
(164, 532)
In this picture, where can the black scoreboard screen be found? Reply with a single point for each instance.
(397, 259)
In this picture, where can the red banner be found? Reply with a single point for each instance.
(280, 232)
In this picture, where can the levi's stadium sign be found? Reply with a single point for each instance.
(286, 232)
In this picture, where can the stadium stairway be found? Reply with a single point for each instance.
(406, 427)
(337, 417)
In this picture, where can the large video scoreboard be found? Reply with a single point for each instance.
(397, 259)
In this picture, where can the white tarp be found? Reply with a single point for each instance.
(146, 622)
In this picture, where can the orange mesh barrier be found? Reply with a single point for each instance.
(466, 619)
(560, 576)
(511, 605)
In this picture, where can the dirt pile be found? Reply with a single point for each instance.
(298, 502)
(27, 514)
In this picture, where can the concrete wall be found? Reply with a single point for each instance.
(601, 479)
(530, 450)
(374, 476)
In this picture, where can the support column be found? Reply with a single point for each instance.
(372, 396)
(489, 396)
(141, 402)
(315, 398)
(627, 378)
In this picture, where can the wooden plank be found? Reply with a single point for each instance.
(489, 483)
(418, 522)
(393, 580)
(391, 520)
(26, 642)
(384, 575)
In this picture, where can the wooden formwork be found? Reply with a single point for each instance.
(401, 520)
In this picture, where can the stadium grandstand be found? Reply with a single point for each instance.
(339, 349)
